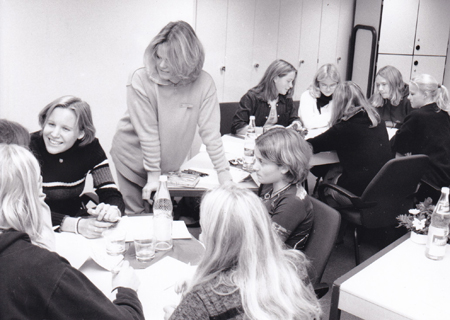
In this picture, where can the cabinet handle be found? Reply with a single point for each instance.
(339, 59)
(417, 47)
(301, 62)
(256, 65)
(222, 68)
(416, 63)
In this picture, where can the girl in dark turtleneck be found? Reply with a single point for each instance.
(315, 109)
(426, 130)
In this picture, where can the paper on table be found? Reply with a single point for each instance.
(138, 222)
(73, 247)
(160, 290)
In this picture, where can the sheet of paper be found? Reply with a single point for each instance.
(75, 248)
(136, 223)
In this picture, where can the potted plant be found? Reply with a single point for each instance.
(418, 221)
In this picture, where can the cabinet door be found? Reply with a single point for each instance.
(398, 26)
(329, 32)
(345, 26)
(267, 14)
(401, 62)
(211, 29)
(289, 31)
(433, 26)
(240, 27)
(309, 45)
(431, 65)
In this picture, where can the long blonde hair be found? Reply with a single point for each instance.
(437, 92)
(19, 190)
(394, 79)
(243, 252)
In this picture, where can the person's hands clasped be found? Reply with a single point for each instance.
(105, 212)
(126, 277)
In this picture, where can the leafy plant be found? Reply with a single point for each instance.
(418, 220)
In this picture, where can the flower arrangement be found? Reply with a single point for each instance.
(418, 220)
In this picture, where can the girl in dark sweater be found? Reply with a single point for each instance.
(68, 151)
(359, 137)
(427, 131)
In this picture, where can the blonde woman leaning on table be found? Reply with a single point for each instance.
(426, 130)
(245, 273)
(37, 283)
(167, 100)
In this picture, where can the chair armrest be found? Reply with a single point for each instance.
(356, 201)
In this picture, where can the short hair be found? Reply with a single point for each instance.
(82, 112)
(184, 51)
(19, 190)
(266, 88)
(394, 79)
(438, 93)
(241, 246)
(349, 99)
(326, 71)
(14, 133)
(284, 146)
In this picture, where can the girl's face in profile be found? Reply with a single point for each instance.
(267, 172)
(283, 84)
(383, 87)
(162, 65)
(327, 86)
(416, 97)
(61, 131)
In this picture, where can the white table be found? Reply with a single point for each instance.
(399, 282)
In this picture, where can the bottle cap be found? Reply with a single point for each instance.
(445, 190)
(252, 117)
(163, 177)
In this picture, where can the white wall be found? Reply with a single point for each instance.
(87, 48)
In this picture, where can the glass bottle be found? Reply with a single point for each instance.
(439, 227)
(249, 145)
(162, 216)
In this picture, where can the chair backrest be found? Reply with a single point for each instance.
(227, 111)
(393, 190)
(322, 238)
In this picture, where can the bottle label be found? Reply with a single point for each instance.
(437, 240)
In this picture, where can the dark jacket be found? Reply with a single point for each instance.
(39, 284)
(427, 131)
(362, 150)
(251, 105)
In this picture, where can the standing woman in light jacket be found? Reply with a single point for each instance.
(270, 101)
(391, 97)
(315, 108)
(167, 99)
(427, 131)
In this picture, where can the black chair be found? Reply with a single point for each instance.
(390, 193)
(321, 242)
(227, 111)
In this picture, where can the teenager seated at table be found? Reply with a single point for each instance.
(245, 273)
(359, 137)
(282, 163)
(270, 101)
(68, 151)
(427, 131)
(391, 96)
(315, 109)
(14, 133)
(37, 283)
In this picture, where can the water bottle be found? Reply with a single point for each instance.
(162, 216)
(438, 230)
(249, 145)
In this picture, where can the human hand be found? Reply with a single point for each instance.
(224, 176)
(105, 212)
(126, 277)
(152, 185)
(168, 310)
(92, 228)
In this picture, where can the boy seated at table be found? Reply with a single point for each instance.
(37, 283)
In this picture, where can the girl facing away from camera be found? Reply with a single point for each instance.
(270, 101)
(37, 283)
(391, 96)
(427, 131)
(245, 272)
(167, 100)
(282, 163)
(68, 151)
(315, 109)
(359, 137)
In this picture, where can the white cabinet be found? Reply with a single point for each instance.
(414, 36)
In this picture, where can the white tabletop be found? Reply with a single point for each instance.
(402, 284)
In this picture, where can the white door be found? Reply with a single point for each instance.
(289, 31)
(401, 62)
(431, 65)
(329, 29)
(345, 26)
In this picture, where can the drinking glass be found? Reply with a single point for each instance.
(145, 248)
(115, 240)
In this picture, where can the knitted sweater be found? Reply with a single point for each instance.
(362, 150)
(250, 105)
(310, 115)
(39, 284)
(64, 177)
(159, 126)
(427, 131)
